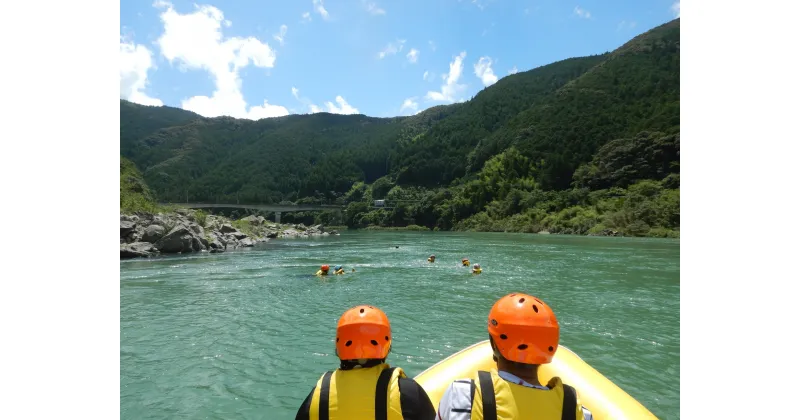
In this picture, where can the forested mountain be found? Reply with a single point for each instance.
(587, 144)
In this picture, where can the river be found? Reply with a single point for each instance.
(246, 334)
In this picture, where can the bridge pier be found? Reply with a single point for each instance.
(277, 217)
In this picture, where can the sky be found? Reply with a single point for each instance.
(267, 58)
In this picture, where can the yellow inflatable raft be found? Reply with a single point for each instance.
(605, 399)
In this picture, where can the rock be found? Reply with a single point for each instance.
(153, 233)
(272, 234)
(197, 229)
(216, 246)
(128, 218)
(137, 249)
(247, 242)
(544, 232)
(334, 232)
(227, 228)
(178, 239)
(126, 227)
(318, 228)
(255, 220)
(239, 235)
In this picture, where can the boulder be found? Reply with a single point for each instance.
(227, 228)
(153, 233)
(179, 239)
(137, 249)
(246, 242)
(255, 220)
(126, 227)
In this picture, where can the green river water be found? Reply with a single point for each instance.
(246, 334)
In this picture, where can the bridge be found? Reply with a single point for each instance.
(275, 208)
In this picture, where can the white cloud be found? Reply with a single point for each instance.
(413, 55)
(425, 75)
(433, 46)
(282, 35)
(392, 48)
(134, 63)
(342, 108)
(306, 17)
(626, 25)
(320, 8)
(296, 92)
(451, 89)
(582, 12)
(676, 9)
(373, 9)
(195, 42)
(513, 70)
(483, 69)
(410, 104)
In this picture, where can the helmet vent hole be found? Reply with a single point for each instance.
(348, 343)
(550, 348)
(521, 300)
(362, 310)
(535, 309)
(538, 301)
(494, 322)
(386, 337)
(374, 343)
(503, 336)
(522, 346)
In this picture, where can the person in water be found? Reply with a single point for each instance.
(338, 270)
(465, 262)
(432, 258)
(365, 386)
(323, 270)
(523, 333)
(476, 269)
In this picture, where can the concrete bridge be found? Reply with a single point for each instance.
(276, 208)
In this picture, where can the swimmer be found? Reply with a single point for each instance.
(465, 262)
(432, 258)
(323, 270)
(476, 269)
(338, 269)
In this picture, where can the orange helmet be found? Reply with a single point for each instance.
(363, 332)
(325, 267)
(524, 329)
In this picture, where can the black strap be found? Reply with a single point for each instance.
(487, 394)
(570, 402)
(381, 394)
(324, 396)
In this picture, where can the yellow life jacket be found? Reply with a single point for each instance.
(361, 393)
(497, 399)
(465, 263)
(322, 273)
(476, 271)
(340, 271)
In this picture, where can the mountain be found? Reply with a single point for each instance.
(556, 134)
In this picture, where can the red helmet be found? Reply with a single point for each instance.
(324, 267)
(363, 332)
(524, 329)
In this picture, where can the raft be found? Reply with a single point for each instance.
(596, 392)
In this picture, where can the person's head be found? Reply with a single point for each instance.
(337, 268)
(432, 257)
(465, 261)
(523, 332)
(476, 266)
(324, 268)
(363, 337)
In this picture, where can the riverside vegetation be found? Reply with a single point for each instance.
(587, 145)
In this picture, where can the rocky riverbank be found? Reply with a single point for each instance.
(146, 235)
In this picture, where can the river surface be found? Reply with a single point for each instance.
(246, 334)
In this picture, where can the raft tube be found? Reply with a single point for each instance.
(605, 399)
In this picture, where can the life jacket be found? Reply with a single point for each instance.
(497, 399)
(361, 393)
(476, 271)
(322, 273)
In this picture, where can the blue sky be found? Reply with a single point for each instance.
(256, 59)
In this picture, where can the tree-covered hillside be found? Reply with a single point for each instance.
(584, 145)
